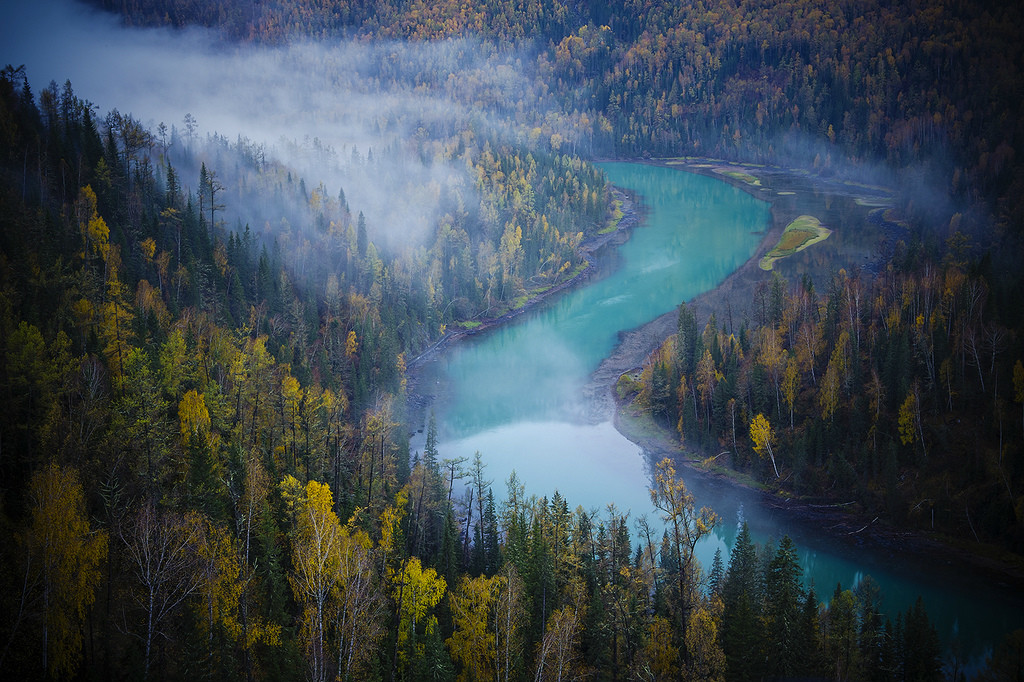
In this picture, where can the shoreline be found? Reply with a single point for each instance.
(417, 398)
(631, 218)
(830, 520)
(819, 516)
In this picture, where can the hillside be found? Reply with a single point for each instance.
(206, 337)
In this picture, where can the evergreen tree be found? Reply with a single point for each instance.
(492, 552)
(809, 636)
(689, 345)
(716, 575)
(741, 597)
(362, 240)
(783, 598)
(921, 651)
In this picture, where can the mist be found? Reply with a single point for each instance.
(378, 121)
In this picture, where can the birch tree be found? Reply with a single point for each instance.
(161, 548)
(418, 591)
(358, 605)
(685, 527)
(316, 558)
(558, 651)
(510, 619)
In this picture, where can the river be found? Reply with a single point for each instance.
(515, 393)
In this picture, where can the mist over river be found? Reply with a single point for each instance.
(515, 394)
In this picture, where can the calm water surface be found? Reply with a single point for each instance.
(515, 393)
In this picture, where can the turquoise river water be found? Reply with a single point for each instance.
(515, 394)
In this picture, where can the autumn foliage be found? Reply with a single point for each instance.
(205, 465)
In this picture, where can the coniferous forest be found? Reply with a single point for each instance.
(207, 354)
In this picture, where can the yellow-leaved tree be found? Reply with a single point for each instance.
(220, 616)
(836, 375)
(291, 400)
(473, 643)
(316, 558)
(685, 526)
(762, 435)
(417, 593)
(705, 659)
(336, 581)
(63, 559)
(907, 429)
(791, 385)
(909, 420)
(95, 233)
(659, 654)
(358, 605)
(194, 417)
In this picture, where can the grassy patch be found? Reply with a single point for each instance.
(627, 386)
(469, 324)
(613, 222)
(872, 203)
(742, 177)
(799, 234)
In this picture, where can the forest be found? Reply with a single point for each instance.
(205, 354)
(876, 388)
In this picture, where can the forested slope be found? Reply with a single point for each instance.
(932, 89)
(205, 462)
(897, 393)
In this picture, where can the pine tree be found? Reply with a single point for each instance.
(809, 636)
(688, 340)
(492, 552)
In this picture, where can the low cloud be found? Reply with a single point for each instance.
(322, 109)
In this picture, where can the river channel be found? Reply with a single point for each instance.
(515, 393)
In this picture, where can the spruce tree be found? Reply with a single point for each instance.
(783, 597)
(741, 597)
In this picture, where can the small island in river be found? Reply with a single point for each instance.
(798, 235)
